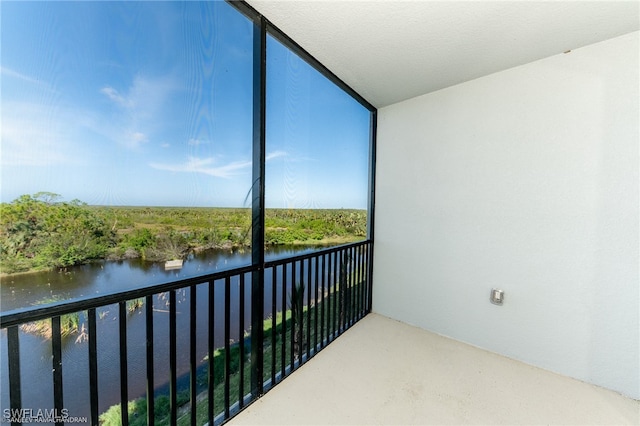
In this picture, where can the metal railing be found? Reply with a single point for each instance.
(202, 323)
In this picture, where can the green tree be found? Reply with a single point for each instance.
(39, 232)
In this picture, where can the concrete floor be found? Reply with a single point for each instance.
(386, 372)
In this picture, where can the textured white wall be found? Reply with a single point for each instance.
(525, 180)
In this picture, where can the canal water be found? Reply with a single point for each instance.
(19, 291)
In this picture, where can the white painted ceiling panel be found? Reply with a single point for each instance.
(389, 51)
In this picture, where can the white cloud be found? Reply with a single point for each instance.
(115, 96)
(207, 166)
(15, 74)
(140, 110)
(41, 84)
(275, 154)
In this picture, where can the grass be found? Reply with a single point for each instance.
(138, 408)
(69, 323)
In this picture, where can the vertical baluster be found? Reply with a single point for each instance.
(274, 277)
(346, 281)
(351, 280)
(369, 271)
(334, 295)
(193, 368)
(341, 286)
(354, 285)
(93, 366)
(124, 384)
(344, 286)
(349, 272)
(365, 274)
(283, 340)
(210, 349)
(352, 291)
(344, 289)
(329, 297)
(302, 287)
(150, 374)
(308, 289)
(347, 278)
(359, 280)
(56, 343)
(173, 391)
(316, 282)
(15, 387)
(324, 299)
(227, 344)
(364, 279)
(360, 283)
(337, 287)
(241, 343)
(293, 321)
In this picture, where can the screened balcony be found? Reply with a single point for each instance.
(503, 156)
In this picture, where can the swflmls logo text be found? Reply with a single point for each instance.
(30, 415)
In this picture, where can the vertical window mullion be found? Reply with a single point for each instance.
(257, 204)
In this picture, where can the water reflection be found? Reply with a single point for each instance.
(23, 290)
(108, 277)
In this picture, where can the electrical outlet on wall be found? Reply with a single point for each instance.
(497, 296)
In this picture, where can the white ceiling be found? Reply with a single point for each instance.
(389, 51)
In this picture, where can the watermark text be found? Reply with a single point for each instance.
(30, 415)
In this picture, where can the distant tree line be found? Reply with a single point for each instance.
(39, 232)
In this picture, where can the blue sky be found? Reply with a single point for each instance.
(150, 103)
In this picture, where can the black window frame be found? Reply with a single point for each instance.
(261, 28)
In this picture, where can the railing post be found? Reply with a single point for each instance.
(93, 365)
(15, 388)
(257, 204)
(149, 357)
(124, 381)
(173, 353)
(56, 349)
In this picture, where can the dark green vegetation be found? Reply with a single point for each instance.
(38, 232)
